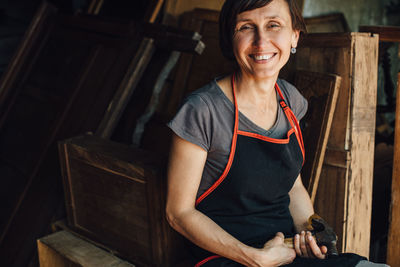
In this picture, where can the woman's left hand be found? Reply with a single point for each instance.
(306, 246)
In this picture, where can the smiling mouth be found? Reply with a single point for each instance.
(263, 58)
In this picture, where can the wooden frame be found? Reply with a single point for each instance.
(327, 23)
(321, 91)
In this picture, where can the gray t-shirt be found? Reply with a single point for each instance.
(206, 118)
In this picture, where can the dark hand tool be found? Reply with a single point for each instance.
(323, 234)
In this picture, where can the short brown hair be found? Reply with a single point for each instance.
(230, 10)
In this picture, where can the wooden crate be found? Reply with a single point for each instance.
(63, 249)
(345, 190)
(115, 196)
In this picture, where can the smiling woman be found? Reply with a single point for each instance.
(234, 185)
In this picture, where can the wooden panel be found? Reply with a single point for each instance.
(362, 123)
(352, 56)
(63, 249)
(115, 195)
(331, 198)
(321, 91)
(393, 248)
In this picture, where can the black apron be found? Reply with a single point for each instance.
(250, 200)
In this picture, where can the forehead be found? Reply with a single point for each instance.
(274, 9)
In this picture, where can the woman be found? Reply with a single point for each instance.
(234, 188)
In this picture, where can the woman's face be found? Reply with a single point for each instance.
(263, 39)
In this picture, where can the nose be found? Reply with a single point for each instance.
(261, 38)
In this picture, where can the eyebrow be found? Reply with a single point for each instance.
(268, 17)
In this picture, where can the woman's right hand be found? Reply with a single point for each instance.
(276, 253)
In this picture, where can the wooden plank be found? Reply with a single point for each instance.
(63, 249)
(321, 91)
(362, 120)
(393, 247)
(153, 10)
(386, 33)
(122, 96)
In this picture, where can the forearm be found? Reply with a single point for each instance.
(205, 233)
(300, 206)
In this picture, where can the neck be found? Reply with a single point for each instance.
(253, 91)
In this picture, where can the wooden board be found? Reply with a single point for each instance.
(63, 249)
(327, 23)
(386, 33)
(115, 195)
(393, 247)
(321, 91)
(346, 177)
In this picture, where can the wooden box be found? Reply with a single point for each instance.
(63, 249)
(115, 196)
(344, 194)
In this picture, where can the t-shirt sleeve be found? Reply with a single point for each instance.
(192, 121)
(297, 102)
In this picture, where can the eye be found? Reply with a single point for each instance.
(274, 25)
(246, 27)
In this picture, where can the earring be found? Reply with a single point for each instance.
(293, 50)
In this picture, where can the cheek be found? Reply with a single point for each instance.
(241, 44)
(284, 43)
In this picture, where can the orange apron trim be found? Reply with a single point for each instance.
(206, 260)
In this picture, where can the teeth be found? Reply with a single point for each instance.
(263, 57)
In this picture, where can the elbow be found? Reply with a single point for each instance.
(172, 218)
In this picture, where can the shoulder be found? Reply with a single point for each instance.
(205, 95)
(195, 120)
(294, 98)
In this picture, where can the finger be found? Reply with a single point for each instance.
(303, 244)
(280, 234)
(315, 251)
(324, 250)
(297, 245)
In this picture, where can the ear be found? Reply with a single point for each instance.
(295, 37)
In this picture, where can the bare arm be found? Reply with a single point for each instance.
(301, 209)
(184, 174)
(300, 205)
